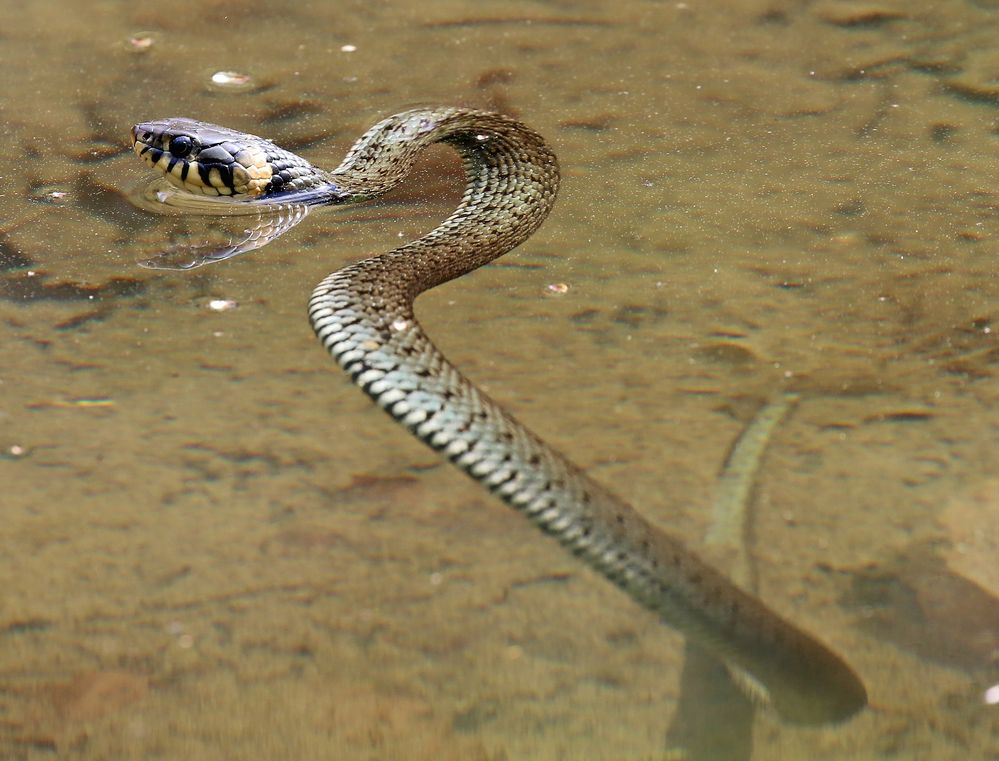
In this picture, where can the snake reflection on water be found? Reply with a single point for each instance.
(363, 315)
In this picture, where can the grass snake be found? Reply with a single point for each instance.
(363, 315)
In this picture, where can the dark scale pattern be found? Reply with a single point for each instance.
(292, 173)
(363, 315)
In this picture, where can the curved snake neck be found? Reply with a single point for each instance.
(363, 315)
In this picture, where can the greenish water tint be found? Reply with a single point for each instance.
(232, 555)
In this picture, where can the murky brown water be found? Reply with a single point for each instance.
(212, 546)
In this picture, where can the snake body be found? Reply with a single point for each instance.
(363, 315)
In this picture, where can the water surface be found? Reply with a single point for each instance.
(212, 546)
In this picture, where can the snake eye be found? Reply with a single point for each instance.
(181, 146)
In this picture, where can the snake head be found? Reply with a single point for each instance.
(204, 158)
(210, 160)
